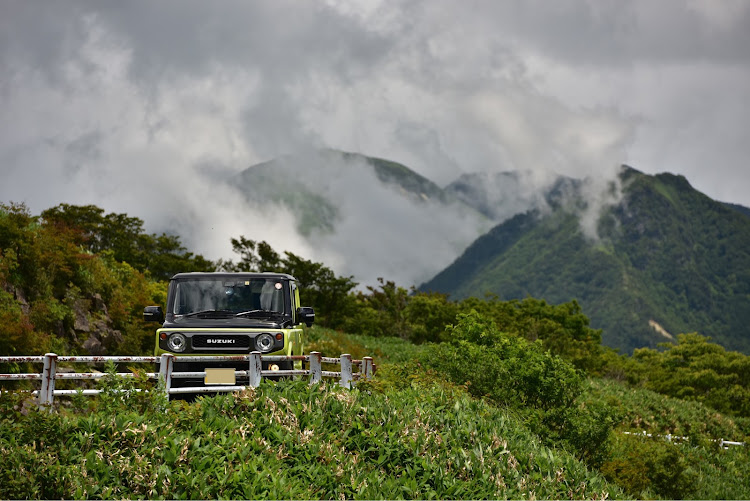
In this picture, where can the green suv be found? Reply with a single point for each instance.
(230, 314)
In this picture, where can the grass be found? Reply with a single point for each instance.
(407, 434)
(697, 466)
(290, 441)
(646, 411)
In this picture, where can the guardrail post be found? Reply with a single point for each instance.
(367, 367)
(316, 372)
(346, 370)
(47, 392)
(166, 365)
(254, 371)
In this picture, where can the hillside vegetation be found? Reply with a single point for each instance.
(75, 280)
(478, 398)
(289, 441)
(413, 433)
(667, 260)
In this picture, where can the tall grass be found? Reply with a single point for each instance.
(288, 440)
(408, 434)
(386, 349)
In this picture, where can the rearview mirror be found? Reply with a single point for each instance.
(305, 315)
(153, 314)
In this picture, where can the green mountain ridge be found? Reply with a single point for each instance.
(291, 182)
(403, 177)
(739, 208)
(371, 216)
(668, 260)
(501, 195)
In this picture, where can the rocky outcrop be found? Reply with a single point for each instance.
(18, 295)
(102, 338)
(92, 322)
(80, 316)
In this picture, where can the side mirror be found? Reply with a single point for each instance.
(305, 315)
(153, 314)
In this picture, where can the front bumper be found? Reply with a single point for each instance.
(221, 341)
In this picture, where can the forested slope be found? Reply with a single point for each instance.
(478, 398)
(667, 260)
(75, 280)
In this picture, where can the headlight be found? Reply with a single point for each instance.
(176, 342)
(264, 342)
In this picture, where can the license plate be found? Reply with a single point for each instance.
(219, 376)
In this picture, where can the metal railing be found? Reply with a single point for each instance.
(724, 444)
(254, 373)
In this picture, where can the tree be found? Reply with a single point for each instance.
(427, 314)
(319, 285)
(160, 255)
(563, 329)
(381, 312)
(696, 369)
(254, 256)
(97, 231)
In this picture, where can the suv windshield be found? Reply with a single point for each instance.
(227, 296)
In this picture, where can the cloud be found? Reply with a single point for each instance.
(377, 229)
(141, 107)
(95, 138)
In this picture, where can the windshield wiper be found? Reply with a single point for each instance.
(223, 313)
(253, 312)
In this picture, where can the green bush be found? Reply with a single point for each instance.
(644, 466)
(639, 464)
(514, 373)
(696, 369)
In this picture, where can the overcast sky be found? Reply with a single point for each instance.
(139, 106)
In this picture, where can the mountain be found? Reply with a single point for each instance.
(666, 260)
(739, 208)
(368, 217)
(308, 185)
(501, 195)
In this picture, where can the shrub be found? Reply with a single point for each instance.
(517, 374)
(696, 369)
(642, 465)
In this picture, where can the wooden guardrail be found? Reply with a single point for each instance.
(254, 373)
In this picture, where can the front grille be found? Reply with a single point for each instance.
(221, 342)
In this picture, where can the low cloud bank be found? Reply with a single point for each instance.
(138, 110)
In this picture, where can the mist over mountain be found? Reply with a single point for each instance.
(364, 216)
(647, 257)
(665, 259)
(370, 217)
(497, 195)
